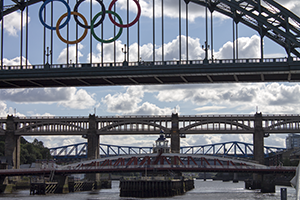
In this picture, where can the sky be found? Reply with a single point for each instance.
(185, 99)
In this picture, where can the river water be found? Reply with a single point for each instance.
(206, 190)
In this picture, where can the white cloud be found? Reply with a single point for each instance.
(269, 97)
(128, 103)
(249, 47)
(62, 58)
(15, 61)
(209, 108)
(170, 7)
(80, 99)
(12, 22)
(67, 97)
(4, 110)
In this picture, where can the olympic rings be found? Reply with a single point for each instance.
(125, 25)
(114, 38)
(64, 24)
(85, 25)
(75, 41)
(100, 21)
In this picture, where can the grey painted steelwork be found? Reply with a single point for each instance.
(267, 17)
(139, 73)
(152, 125)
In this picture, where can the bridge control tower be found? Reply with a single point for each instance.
(161, 144)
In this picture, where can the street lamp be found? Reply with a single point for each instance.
(205, 48)
(125, 52)
(48, 53)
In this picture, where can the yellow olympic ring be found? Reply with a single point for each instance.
(75, 41)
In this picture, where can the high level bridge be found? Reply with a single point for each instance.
(267, 17)
(173, 127)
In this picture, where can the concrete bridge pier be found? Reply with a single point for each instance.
(235, 178)
(264, 182)
(62, 184)
(258, 151)
(93, 139)
(175, 139)
(258, 139)
(93, 145)
(12, 142)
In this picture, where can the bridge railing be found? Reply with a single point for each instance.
(146, 63)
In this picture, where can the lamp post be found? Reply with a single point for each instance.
(205, 48)
(125, 52)
(48, 53)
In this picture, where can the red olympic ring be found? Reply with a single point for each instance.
(124, 25)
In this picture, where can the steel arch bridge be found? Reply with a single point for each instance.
(267, 17)
(152, 125)
(227, 149)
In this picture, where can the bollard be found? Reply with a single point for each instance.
(283, 193)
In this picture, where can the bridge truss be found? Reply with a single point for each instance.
(228, 149)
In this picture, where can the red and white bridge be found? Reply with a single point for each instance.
(153, 162)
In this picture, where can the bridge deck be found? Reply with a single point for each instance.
(140, 73)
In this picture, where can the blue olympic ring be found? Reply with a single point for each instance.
(61, 26)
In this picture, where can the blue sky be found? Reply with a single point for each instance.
(191, 99)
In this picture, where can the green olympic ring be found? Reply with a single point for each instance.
(114, 38)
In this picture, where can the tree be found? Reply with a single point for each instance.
(30, 152)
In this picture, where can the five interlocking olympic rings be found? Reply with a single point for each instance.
(93, 25)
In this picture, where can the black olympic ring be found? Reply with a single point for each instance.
(98, 23)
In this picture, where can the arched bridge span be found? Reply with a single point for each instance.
(267, 17)
(202, 124)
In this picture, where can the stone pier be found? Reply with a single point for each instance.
(12, 142)
(264, 182)
(93, 146)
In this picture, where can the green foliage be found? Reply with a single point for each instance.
(30, 152)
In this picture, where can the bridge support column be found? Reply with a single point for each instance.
(258, 149)
(93, 139)
(258, 139)
(268, 184)
(62, 184)
(175, 139)
(235, 178)
(12, 142)
(93, 145)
